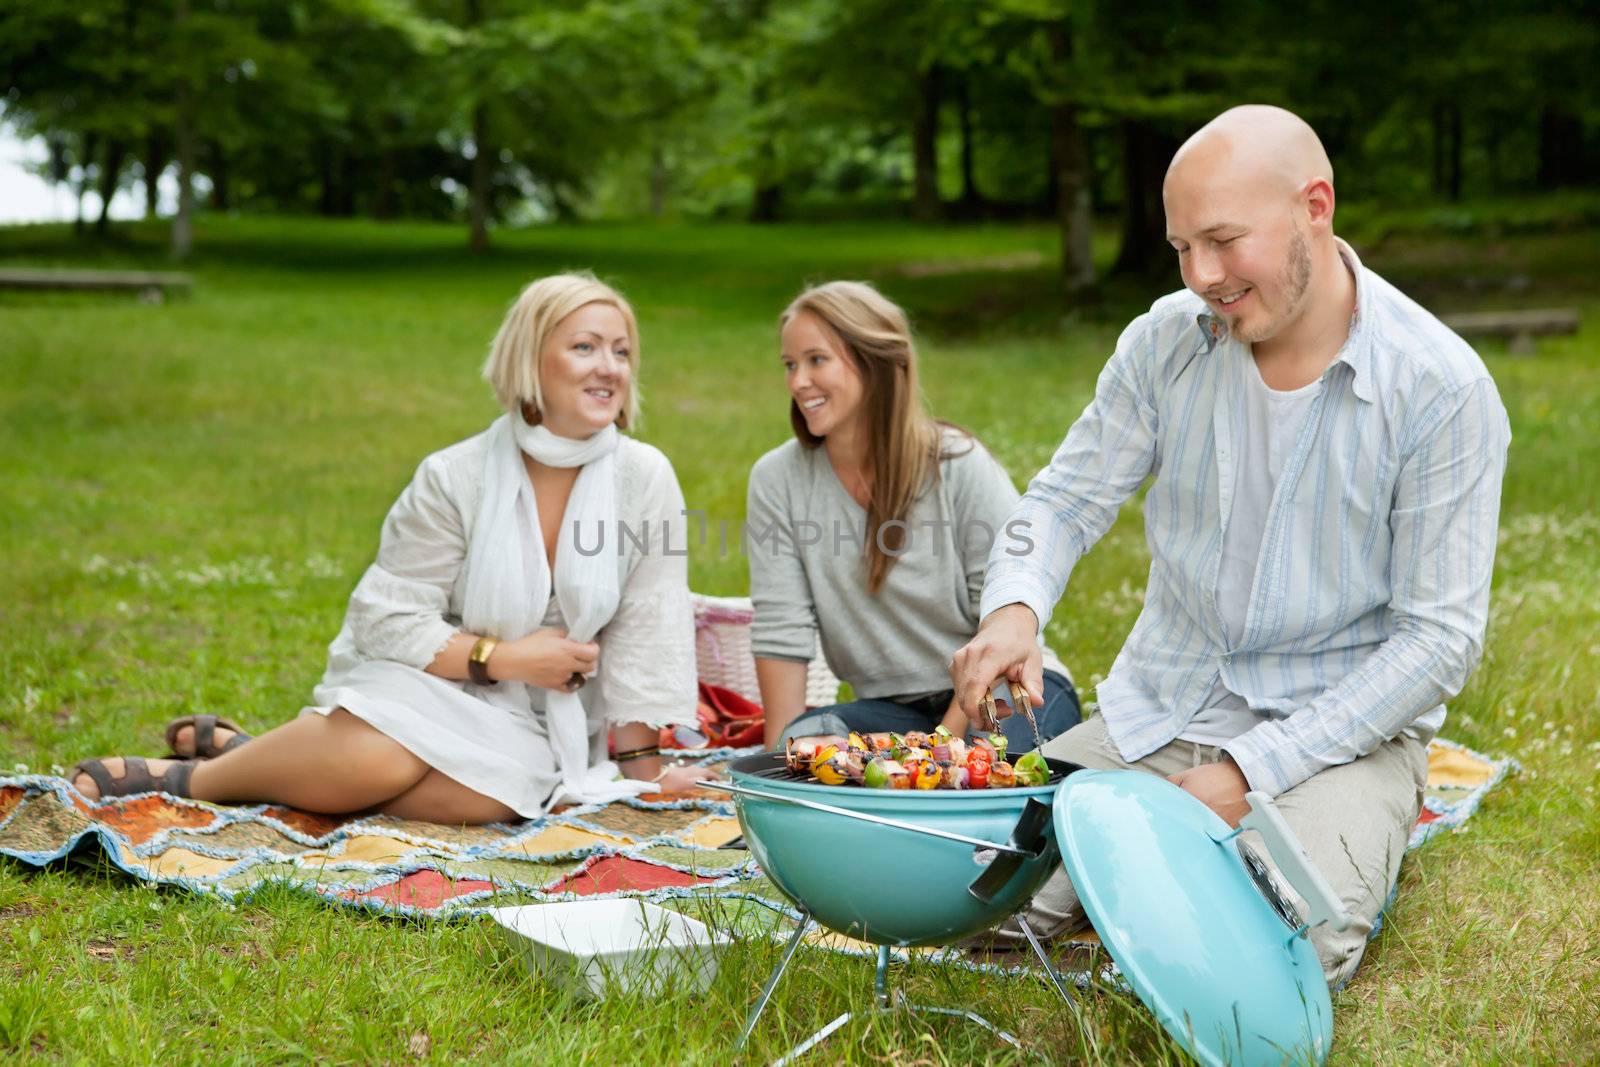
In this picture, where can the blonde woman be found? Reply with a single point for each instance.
(871, 531)
(506, 626)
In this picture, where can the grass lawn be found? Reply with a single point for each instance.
(189, 491)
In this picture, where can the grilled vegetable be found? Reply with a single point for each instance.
(879, 742)
(876, 775)
(978, 774)
(998, 740)
(800, 751)
(899, 774)
(928, 775)
(823, 768)
(835, 766)
(1031, 769)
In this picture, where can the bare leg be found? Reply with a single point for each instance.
(329, 763)
(440, 798)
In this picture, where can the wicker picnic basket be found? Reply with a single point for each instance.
(722, 651)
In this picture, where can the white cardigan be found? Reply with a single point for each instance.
(408, 605)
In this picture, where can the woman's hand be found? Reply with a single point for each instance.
(545, 658)
(681, 778)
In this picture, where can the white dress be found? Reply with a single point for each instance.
(408, 605)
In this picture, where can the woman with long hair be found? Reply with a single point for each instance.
(871, 531)
(491, 648)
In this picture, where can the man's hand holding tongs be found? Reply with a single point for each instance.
(1005, 647)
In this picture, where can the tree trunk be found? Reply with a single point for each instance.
(90, 144)
(1491, 146)
(333, 197)
(1072, 198)
(58, 157)
(970, 197)
(383, 206)
(478, 239)
(766, 200)
(1447, 149)
(183, 143)
(658, 181)
(221, 186)
(1146, 150)
(1453, 160)
(1052, 181)
(767, 203)
(478, 209)
(155, 161)
(925, 205)
(116, 152)
(1560, 147)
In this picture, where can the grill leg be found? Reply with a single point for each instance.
(886, 1003)
(828, 1031)
(1050, 971)
(814, 1040)
(772, 982)
(970, 1016)
(1044, 961)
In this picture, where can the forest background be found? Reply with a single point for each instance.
(511, 112)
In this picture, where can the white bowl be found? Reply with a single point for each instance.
(596, 947)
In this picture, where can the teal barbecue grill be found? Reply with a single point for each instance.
(1191, 918)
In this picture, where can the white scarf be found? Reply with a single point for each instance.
(508, 582)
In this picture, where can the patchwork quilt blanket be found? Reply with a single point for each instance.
(684, 851)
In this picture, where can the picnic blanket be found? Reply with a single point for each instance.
(674, 851)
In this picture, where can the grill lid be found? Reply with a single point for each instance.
(1182, 916)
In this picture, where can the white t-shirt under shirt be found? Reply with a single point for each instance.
(1272, 424)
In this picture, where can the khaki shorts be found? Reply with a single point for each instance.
(1354, 820)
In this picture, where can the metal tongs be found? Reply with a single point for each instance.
(1019, 701)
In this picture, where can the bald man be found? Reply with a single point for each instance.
(1327, 460)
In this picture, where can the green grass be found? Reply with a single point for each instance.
(188, 493)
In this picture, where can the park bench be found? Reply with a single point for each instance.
(152, 286)
(1519, 327)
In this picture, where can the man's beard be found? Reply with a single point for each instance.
(1293, 281)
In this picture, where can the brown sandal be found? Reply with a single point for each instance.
(205, 727)
(136, 777)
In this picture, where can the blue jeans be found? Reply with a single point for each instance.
(1059, 714)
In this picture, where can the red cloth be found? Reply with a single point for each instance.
(726, 720)
(729, 720)
(614, 874)
(420, 889)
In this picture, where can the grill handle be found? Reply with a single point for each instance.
(1322, 903)
(1028, 834)
(975, 842)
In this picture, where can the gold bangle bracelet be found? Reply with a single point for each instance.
(478, 660)
(638, 753)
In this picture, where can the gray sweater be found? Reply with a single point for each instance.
(805, 542)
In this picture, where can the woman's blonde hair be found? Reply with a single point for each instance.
(517, 352)
(904, 443)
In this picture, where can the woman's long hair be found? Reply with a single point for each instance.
(903, 440)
